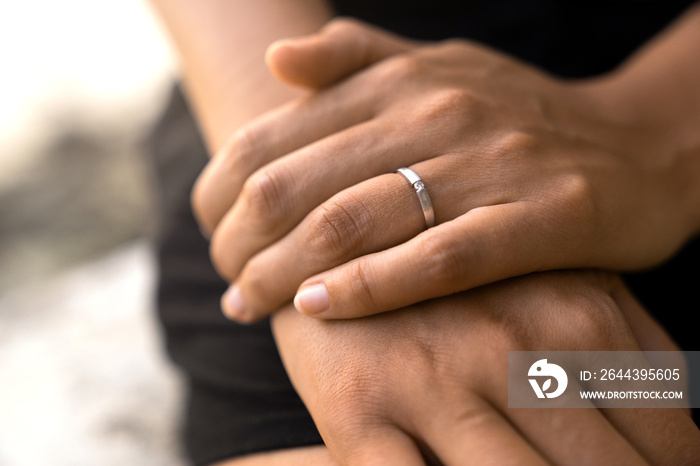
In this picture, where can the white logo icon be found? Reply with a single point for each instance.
(542, 368)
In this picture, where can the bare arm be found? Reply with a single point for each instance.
(658, 87)
(212, 104)
(222, 46)
(620, 190)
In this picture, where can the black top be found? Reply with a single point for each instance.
(240, 399)
(574, 38)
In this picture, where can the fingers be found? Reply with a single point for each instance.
(664, 436)
(661, 436)
(291, 127)
(477, 434)
(340, 49)
(575, 436)
(373, 445)
(372, 216)
(348, 225)
(275, 199)
(268, 138)
(483, 425)
(612, 436)
(484, 245)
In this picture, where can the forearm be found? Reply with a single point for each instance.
(659, 89)
(222, 44)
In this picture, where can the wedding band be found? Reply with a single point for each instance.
(422, 193)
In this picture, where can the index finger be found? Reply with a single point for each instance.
(482, 246)
(341, 48)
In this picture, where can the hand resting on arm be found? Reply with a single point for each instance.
(431, 379)
(526, 172)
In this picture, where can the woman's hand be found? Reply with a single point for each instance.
(526, 172)
(432, 379)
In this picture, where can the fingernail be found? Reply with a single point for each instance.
(312, 299)
(232, 303)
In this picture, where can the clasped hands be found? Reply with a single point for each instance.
(526, 173)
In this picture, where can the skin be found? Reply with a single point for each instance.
(226, 93)
(409, 388)
(209, 34)
(535, 172)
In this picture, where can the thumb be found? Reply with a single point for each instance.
(341, 48)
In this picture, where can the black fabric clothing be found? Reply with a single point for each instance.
(573, 38)
(240, 399)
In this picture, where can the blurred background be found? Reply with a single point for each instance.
(83, 375)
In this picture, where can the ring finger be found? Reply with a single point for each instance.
(269, 137)
(277, 197)
(374, 215)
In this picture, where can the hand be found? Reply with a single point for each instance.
(432, 380)
(526, 172)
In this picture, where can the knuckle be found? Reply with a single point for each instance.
(599, 322)
(255, 280)
(344, 26)
(446, 51)
(202, 207)
(517, 144)
(463, 48)
(220, 254)
(578, 194)
(340, 231)
(243, 149)
(511, 334)
(263, 196)
(592, 321)
(400, 67)
(349, 405)
(354, 35)
(355, 397)
(456, 104)
(433, 352)
(361, 288)
(456, 44)
(522, 142)
(572, 211)
(445, 261)
(232, 163)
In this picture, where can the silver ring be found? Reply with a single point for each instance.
(422, 193)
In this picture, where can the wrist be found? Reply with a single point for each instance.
(655, 128)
